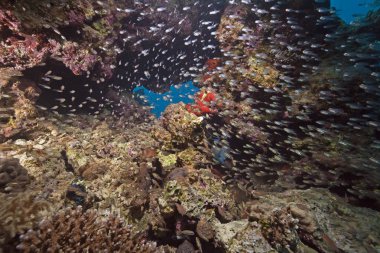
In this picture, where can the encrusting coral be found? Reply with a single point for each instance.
(181, 124)
(317, 218)
(17, 102)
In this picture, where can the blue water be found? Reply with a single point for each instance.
(349, 10)
(178, 93)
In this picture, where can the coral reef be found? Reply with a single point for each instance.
(300, 221)
(289, 118)
(232, 22)
(169, 195)
(200, 185)
(34, 31)
(91, 37)
(278, 152)
(261, 73)
(242, 236)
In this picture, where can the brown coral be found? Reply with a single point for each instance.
(13, 177)
(182, 125)
(279, 230)
(19, 213)
(205, 230)
(73, 230)
(17, 102)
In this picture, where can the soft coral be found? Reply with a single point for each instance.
(204, 101)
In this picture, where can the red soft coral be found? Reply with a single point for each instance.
(204, 102)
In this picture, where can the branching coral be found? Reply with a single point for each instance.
(19, 213)
(79, 231)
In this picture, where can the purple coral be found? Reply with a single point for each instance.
(76, 18)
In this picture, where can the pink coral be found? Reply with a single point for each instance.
(76, 18)
(8, 20)
(23, 52)
(77, 59)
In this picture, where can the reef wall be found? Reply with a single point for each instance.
(299, 99)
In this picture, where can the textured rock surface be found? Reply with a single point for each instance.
(242, 236)
(317, 218)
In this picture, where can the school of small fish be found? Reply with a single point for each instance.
(322, 106)
(319, 114)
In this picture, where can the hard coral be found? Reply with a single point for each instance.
(77, 59)
(199, 192)
(317, 218)
(261, 73)
(22, 52)
(17, 100)
(242, 236)
(182, 125)
(17, 214)
(73, 230)
(280, 230)
(33, 31)
(13, 177)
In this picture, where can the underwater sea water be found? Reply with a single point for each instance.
(183, 92)
(351, 9)
(219, 126)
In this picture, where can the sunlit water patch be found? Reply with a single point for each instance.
(350, 10)
(159, 101)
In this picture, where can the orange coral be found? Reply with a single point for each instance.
(212, 64)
